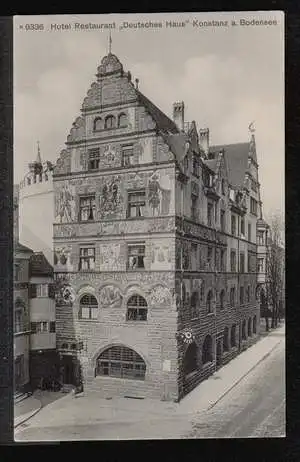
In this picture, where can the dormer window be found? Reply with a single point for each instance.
(110, 122)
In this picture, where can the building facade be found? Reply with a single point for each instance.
(154, 245)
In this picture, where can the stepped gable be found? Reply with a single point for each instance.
(236, 156)
(39, 265)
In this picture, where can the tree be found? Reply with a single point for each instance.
(275, 268)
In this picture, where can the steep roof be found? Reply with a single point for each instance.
(39, 265)
(22, 248)
(177, 143)
(236, 156)
(164, 123)
(211, 163)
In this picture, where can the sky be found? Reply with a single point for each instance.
(226, 76)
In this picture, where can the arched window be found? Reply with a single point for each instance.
(194, 304)
(122, 120)
(248, 294)
(98, 124)
(254, 325)
(207, 350)
(136, 308)
(249, 327)
(222, 299)
(232, 296)
(88, 307)
(120, 361)
(244, 330)
(233, 336)
(209, 302)
(190, 359)
(226, 339)
(110, 122)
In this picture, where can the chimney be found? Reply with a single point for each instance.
(178, 115)
(204, 139)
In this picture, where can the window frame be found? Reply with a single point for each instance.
(94, 155)
(140, 306)
(91, 307)
(138, 255)
(124, 155)
(91, 198)
(42, 290)
(112, 118)
(136, 205)
(209, 302)
(121, 362)
(207, 350)
(87, 257)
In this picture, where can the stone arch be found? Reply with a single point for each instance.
(207, 349)
(97, 352)
(98, 123)
(190, 359)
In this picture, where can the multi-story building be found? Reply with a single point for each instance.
(44, 360)
(154, 245)
(21, 308)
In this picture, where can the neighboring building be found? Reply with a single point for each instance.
(262, 263)
(155, 239)
(36, 198)
(44, 360)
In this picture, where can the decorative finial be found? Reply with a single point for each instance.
(251, 127)
(109, 43)
(38, 157)
(137, 84)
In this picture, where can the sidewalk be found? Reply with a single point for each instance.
(89, 409)
(26, 409)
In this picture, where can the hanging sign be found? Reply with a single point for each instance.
(68, 294)
(186, 336)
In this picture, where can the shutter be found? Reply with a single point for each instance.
(51, 291)
(52, 326)
(33, 327)
(32, 291)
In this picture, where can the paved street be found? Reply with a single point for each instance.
(255, 407)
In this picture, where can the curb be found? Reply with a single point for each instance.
(33, 413)
(243, 376)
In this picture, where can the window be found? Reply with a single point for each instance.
(42, 290)
(98, 124)
(223, 186)
(136, 204)
(127, 156)
(136, 308)
(209, 214)
(249, 328)
(242, 262)
(260, 238)
(93, 159)
(223, 260)
(195, 165)
(222, 220)
(121, 362)
(87, 208)
(226, 339)
(194, 250)
(87, 258)
(136, 255)
(248, 294)
(186, 163)
(253, 206)
(249, 231)
(17, 272)
(241, 295)
(18, 320)
(110, 122)
(207, 350)
(194, 305)
(122, 120)
(209, 256)
(233, 261)
(52, 327)
(209, 302)
(40, 327)
(222, 299)
(260, 265)
(194, 207)
(244, 330)
(190, 359)
(88, 307)
(202, 292)
(233, 225)
(254, 325)
(233, 336)
(242, 226)
(232, 296)
(253, 185)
